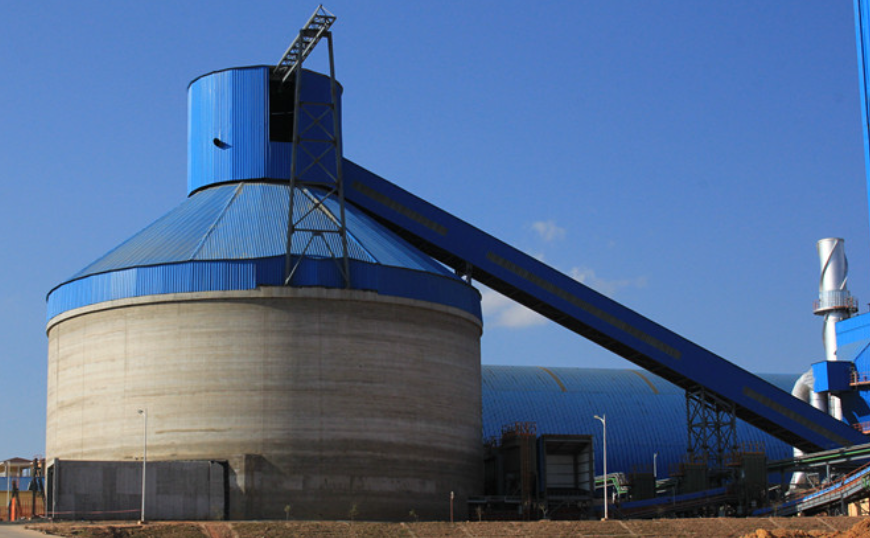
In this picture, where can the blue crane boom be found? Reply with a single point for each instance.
(592, 315)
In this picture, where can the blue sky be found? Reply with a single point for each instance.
(681, 156)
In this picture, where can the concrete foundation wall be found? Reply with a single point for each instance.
(113, 490)
(330, 401)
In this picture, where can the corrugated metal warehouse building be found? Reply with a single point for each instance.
(646, 415)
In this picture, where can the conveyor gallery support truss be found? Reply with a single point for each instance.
(712, 427)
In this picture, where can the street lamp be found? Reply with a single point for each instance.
(144, 414)
(603, 419)
(6, 472)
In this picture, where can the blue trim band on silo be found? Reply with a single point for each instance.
(197, 276)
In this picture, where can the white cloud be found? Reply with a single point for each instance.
(548, 230)
(501, 311)
(587, 276)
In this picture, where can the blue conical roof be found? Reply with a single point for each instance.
(233, 236)
(248, 221)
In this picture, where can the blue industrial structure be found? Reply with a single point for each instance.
(853, 341)
(232, 234)
(862, 31)
(848, 377)
(646, 415)
(853, 335)
(592, 315)
(230, 137)
(232, 237)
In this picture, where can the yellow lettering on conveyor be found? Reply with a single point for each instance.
(519, 271)
(589, 308)
(399, 208)
(791, 415)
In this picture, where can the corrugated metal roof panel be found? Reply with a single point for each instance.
(253, 225)
(645, 413)
(280, 157)
(248, 221)
(250, 110)
(382, 244)
(852, 350)
(172, 238)
(230, 106)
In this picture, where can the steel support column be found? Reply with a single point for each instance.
(712, 425)
(316, 177)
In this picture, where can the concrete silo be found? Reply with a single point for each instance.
(338, 400)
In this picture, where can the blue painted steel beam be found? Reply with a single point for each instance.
(592, 315)
(862, 37)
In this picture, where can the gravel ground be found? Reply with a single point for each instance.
(821, 527)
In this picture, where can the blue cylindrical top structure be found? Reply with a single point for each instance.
(240, 125)
(231, 232)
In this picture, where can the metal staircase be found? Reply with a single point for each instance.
(310, 34)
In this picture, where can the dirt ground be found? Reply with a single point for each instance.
(817, 527)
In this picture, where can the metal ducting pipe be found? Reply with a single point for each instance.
(835, 303)
(803, 390)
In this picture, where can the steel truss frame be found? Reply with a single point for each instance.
(712, 427)
(312, 136)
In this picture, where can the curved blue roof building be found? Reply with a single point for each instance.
(645, 413)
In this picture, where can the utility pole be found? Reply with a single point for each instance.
(603, 419)
(144, 414)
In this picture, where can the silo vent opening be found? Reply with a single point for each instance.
(281, 98)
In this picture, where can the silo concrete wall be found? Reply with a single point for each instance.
(336, 403)
(106, 490)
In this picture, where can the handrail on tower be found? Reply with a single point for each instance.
(316, 27)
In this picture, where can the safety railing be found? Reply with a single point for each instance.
(863, 427)
(857, 378)
(848, 486)
(835, 300)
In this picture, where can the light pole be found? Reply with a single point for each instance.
(6, 472)
(655, 468)
(603, 419)
(144, 414)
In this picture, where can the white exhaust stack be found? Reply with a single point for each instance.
(834, 303)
